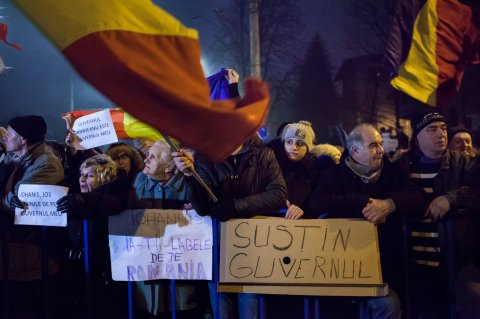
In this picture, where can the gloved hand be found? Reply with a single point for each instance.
(15, 202)
(71, 203)
(224, 209)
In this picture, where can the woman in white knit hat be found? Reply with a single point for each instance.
(300, 168)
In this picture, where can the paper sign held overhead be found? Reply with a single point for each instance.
(41, 203)
(156, 244)
(94, 130)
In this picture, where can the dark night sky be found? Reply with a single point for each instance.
(42, 82)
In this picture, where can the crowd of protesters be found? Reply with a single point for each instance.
(433, 180)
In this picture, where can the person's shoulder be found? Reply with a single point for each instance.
(458, 158)
(139, 179)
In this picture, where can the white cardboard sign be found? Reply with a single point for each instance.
(155, 244)
(42, 205)
(94, 130)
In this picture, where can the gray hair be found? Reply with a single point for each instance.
(356, 136)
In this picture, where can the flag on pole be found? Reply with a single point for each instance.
(3, 36)
(126, 126)
(148, 63)
(430, 43)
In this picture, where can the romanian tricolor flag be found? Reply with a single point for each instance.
(430, 43)
(148, 63)
(126, 126)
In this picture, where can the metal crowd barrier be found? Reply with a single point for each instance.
(448, 225)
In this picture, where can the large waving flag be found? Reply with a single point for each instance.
(430, 44)
(148, 63)
(126, 126)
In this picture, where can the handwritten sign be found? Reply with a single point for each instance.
(41, 205)
(311, 251)
(94, 130)
(160, 244)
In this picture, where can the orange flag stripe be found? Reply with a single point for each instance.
(146, 62)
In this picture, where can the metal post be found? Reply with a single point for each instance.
(45, 273)
(88, 275)
(216, 244)
(254, 39)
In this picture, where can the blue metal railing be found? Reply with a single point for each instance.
(263, 311)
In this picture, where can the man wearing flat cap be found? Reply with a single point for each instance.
(26, 162)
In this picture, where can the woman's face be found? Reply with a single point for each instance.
(296, 149)
(123, 162)
(88, 180)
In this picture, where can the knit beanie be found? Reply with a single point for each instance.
(301, 130)
(457, 129)
(421, 120)
(31, 127)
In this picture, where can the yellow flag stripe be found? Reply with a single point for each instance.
(65, 21)
(137, 129)
(418, 75)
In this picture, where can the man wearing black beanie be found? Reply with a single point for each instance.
(27, 162)
(443, 175)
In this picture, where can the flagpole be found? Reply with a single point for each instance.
(197, 177)
(254, 39)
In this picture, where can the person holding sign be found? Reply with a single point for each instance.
(366, 185)
(161, 186)
(248, 183)
(101, 194)
(27, 162)
(300, 168)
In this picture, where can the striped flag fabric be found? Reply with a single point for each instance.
(430, 44)
(126, 126)
(148, 63)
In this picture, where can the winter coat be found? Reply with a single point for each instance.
(251, 178)
(300, 176)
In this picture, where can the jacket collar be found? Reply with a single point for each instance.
(175, 183)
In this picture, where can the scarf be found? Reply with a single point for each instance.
(364, 172)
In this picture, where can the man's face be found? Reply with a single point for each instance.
(432, 139)
(13, 141)
(371, 152)
(461, 142)
(157, 160)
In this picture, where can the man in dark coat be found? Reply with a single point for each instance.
(27, 162)
(248, 183)
(366, 185)
(444, 177)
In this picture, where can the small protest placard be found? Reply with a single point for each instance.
(41, 203)
(155, 244)
(301, 252)
(94, 130)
